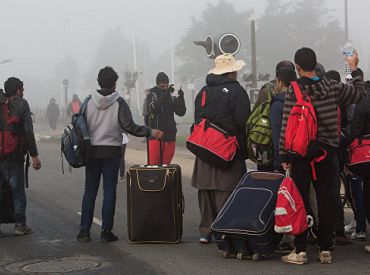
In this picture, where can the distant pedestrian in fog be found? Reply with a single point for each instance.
(74, 105)
(53, 113)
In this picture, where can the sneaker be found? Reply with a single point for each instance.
(22, 229)
(294, 258)
(84, 236)
(367, 248)
(350, 228)
(325, 257)
(358, 236)
(206, 239)
(108, 236)
(342, 240)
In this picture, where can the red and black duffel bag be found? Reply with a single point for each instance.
(359, 156)
(211, 143)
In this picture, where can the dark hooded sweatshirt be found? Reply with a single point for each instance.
(228, 106)
(360, 125)
(162, 107)
(326, 95)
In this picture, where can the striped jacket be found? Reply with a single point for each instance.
(325, 96)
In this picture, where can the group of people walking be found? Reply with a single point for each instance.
(108, 116)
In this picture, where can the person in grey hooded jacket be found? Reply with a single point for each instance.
(108, 116)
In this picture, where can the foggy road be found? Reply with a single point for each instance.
(55, 200)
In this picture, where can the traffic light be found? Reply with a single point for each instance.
(208, 44)
(247, 77)
(264, 77)
(226, 43)
(229, 43)
(130, 79)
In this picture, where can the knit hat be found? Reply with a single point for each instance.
(162, 78)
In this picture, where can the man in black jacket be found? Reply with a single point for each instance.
(161, 107)
(12, 164)
(225, 104)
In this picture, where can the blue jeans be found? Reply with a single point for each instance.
(109, 168)
(357, 196)
(12, 171)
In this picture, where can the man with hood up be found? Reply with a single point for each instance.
(160, 113)
(108, 116)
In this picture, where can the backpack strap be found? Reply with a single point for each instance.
(297, 91)
(84, 105)
(120, 100)
(317, 160)
(26, 169)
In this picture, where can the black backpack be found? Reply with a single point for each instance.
(75, 141)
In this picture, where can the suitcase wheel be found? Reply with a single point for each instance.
(239, 256)
(256, 257)
(226, 254)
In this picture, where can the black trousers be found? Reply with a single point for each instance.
(367, 197)
(338, 210)
(53, 123)
(327, 177)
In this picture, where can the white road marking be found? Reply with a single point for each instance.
(95, 220)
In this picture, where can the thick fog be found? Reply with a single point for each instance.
(45, 41)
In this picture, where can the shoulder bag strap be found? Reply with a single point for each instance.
(297, 91)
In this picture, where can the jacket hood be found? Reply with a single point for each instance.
(317, 89)
(104, 102)
(217, 80)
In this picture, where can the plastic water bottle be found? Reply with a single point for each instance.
(348, 51)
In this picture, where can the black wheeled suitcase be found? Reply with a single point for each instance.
(155, 204)
(6, 205)
(244, 228)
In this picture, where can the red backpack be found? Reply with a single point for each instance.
(302, 124)
(9, 138)
(290, 212)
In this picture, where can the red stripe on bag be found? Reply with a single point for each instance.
(204, 97)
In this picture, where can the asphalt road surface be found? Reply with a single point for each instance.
(54, 201)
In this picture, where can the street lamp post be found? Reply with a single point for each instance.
(65, 84)
(346, 21)
(254, 54)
